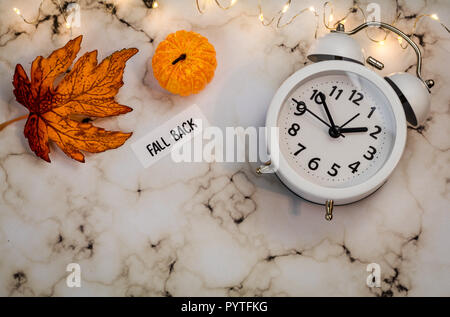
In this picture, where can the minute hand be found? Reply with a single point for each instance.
(314, 115)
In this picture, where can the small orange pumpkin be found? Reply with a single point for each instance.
(184, 63)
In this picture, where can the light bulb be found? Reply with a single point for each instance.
(155, 4)
(434, 16)
(261, 17)
(68, 25)
(400, 39)
(330, 18)
(285, 8)
(311, 8)
(17, 11)
(233, 2)
(381, 43)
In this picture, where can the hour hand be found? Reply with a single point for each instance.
(320, 100)
(350, 130)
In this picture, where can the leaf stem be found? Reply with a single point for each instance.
(7, 123)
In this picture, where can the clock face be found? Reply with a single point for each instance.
(337, 129)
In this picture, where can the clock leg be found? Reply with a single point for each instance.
(265, 169)
(329, 210)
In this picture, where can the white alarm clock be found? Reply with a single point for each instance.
(341, 126)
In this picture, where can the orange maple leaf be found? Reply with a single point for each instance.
(87, 90)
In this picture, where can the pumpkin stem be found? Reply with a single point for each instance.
(7, 123)
(182, 57)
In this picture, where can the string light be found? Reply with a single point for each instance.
(261, 17)
(433, 16)
(36, 20)
(218, 3)
(326, 21)
(278, 17)
(151, 4)
(386, 32)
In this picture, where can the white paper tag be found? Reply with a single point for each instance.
(179, 129)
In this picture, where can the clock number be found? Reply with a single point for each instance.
(354, 166)
(314, 94)
(301, 107)
(373, 134)
(313, 163)
(339, 92)
(302, 147)
(353, 94)
(357, 99)
(294, 129)
(333, 90)
(371, 111)
(334, 170)
(370, 153)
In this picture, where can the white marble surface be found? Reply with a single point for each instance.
(214, 229)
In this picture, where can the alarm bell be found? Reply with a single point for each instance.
(413, 94)
(336, 46)
(413, 91)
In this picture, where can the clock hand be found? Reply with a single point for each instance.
(314, 115)
(333, 132)
(354, 117)
(317, 117)
(321, 101)
(358, 129)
